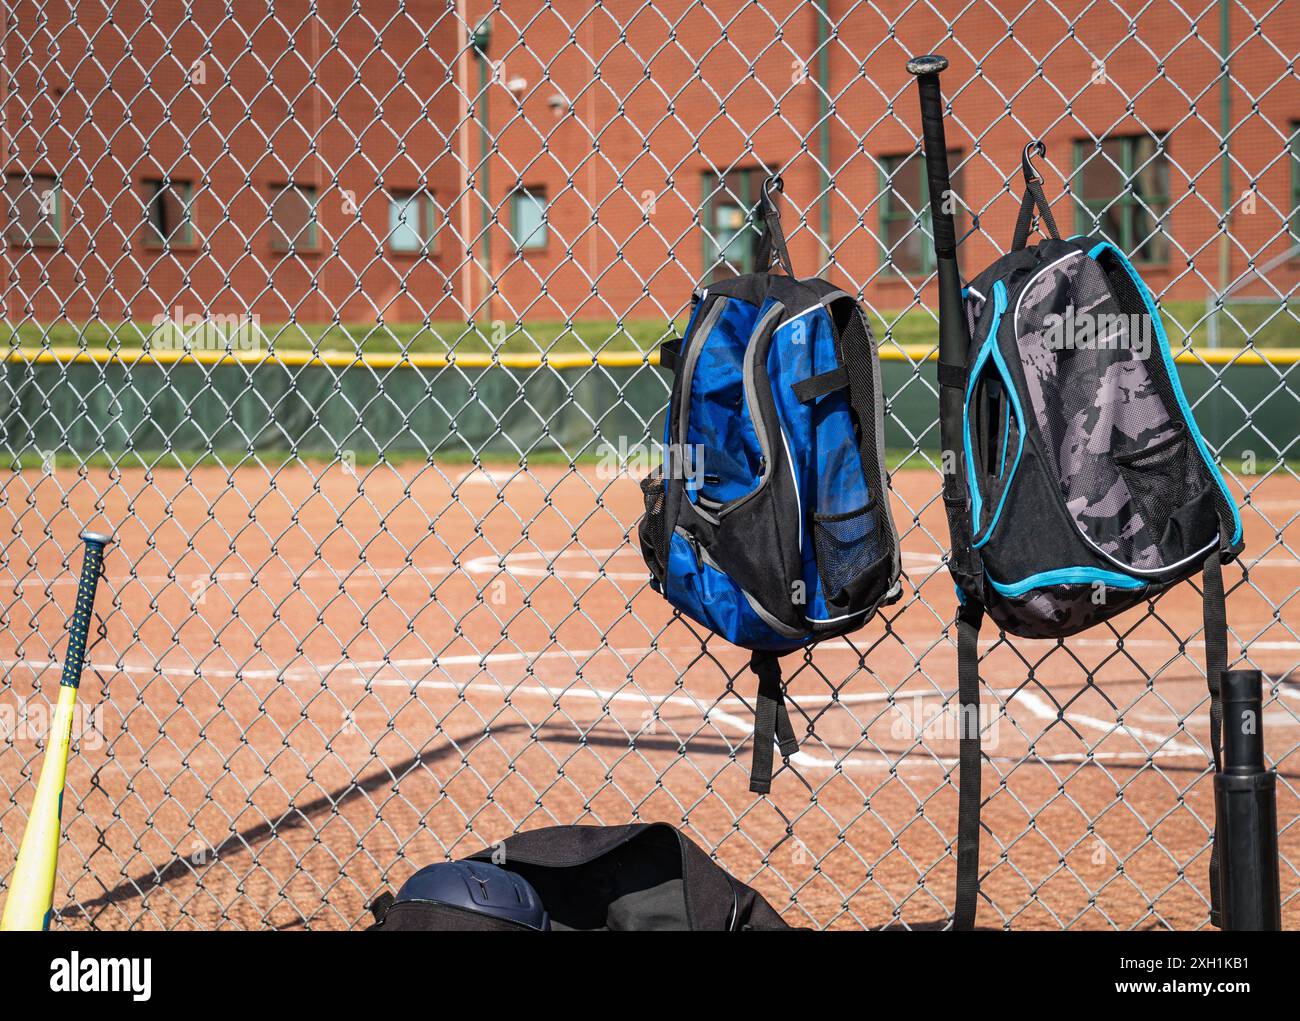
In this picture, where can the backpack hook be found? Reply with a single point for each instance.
(772, 241)
(1036, 149)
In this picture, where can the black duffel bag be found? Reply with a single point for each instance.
(646, 876)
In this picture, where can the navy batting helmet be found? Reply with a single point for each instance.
(480, 888)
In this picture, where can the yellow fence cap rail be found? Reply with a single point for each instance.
(911, 353)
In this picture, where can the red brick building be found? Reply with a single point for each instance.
(343, 164)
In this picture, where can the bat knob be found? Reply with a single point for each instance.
(96, 538)
(931, 63)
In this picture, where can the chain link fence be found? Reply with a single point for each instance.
(345, 317)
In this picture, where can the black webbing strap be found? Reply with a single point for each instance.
(952, 375)
(772, 243)
(808, 390)
(969, 618)
(668, 352)
(1033, 197)
(380, 905)
(771, 721)
(856, 353)
(1216, 662)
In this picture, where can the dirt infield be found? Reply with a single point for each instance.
(311, 681)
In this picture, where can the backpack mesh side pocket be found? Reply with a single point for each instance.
(1157, 478)
(846, 545)
(653, 529)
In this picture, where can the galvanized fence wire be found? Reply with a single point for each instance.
(346, 316)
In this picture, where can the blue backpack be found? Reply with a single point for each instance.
(768, 521)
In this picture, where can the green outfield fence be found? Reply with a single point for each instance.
(481, 406)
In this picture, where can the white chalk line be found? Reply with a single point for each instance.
(594, 566)
(1167, 746)
(540, 564)
(627, 657)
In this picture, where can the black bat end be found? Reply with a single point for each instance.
(931, 63)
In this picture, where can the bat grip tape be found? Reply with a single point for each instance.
(936, 164)
(81, 615)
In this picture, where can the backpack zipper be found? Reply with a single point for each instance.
(695, 548)
(697, 337)
(763, 331)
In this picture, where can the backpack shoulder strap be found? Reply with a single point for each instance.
(1216, 662)
(771, 721)
(969, 618)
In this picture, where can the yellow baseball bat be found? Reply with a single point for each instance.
(31, 887)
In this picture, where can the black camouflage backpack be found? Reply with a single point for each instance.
(1082, 484)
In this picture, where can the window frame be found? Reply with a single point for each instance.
(55, 218)
(1294, 218)
(888, 266)
(529, 244)
(149, 234)
(283, 244)
(751, 183)
(428, 211)
(1086, 220)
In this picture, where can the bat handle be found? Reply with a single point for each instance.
(79, 631)
(926, 70)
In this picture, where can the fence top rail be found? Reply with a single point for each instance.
(910, 353)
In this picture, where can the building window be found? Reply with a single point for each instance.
(1122, 192)
(293, 219)
(34, 209)
(528, 219)
(733, 222)
(412, 222)
(905, 206)
(1295, 182)
(167, 213)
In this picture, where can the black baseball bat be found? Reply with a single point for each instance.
(954, 343)
(1245, 799)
